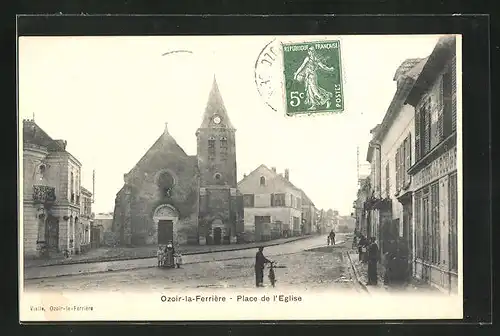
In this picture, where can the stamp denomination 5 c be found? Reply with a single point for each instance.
(313, 77)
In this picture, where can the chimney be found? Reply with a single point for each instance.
(273, 169)
(287, 174)
(244, 175)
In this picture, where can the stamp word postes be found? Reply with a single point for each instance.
(313, 77)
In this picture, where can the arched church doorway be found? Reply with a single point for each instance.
(217, 231)
(166, 218)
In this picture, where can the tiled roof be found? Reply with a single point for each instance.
(406, 66)
(35, 135)
(290, 184)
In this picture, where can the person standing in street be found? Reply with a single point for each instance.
(332, 237)
(362, 248)
(260, 261)
(373, 256)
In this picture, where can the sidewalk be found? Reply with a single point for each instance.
(361, 272)
(145, 252)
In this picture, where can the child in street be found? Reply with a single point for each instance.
(178, 259)
(160, 254)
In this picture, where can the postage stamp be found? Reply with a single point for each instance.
(313, 77)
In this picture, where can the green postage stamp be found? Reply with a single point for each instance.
(313, 77)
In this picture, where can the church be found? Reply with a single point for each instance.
(187, 199)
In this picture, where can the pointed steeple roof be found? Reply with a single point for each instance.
(215, 106)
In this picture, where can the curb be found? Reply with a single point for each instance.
(356, 274)
(186, 253)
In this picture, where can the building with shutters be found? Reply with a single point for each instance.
(52, 195)
(272, 205)
(308, 215)
(187, 199)
(434, 168)
(390, 153)
(83, 231)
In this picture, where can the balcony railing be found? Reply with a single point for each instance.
(44, 194)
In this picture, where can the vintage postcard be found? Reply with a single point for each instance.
(181, 178)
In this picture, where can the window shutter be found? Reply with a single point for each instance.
(427, 127)
(407, 159)
(387, 180)
(417, 133)
(440, 121)
(397, 162)
(402, 164)
(272, 199)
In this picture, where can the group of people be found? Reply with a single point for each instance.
(368, 252)
(168, 257)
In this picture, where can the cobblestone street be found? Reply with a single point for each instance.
(310, 265)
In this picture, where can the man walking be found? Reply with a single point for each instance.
(260, 261)
(373, 256)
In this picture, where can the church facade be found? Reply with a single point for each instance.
(186, 199)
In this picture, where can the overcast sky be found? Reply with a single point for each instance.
(110, 97)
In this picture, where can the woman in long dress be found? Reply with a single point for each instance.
(308, 72)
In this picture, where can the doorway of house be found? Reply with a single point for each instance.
(95, 237)
(165, 231)
(52, 234)
(217, 236)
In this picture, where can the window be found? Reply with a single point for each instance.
(435, 118)
(403, 163)
(223, 148)
(397, 162)
(71, 187)
(223, 143)
(426, 134)
(278, 200)
(453, 236)
(387, 180)
(426, 234)
(448, 114)
(262, 181)
(435, 224)
(248, 200)
(407, 160)
(211, 148)
(418, 225)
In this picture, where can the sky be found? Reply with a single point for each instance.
(110, 98)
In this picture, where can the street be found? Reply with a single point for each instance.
(310, 265)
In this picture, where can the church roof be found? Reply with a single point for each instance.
(164, 143)
(215, 105)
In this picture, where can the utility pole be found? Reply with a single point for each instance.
(357, 164)
(93, 186)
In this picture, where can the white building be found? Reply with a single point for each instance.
(272, 205)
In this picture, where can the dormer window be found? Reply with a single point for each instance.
(262, 181)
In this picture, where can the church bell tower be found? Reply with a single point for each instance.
(216, 147)
(220, 217)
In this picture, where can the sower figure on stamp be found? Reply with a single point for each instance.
(260, 261)
(307, 72)
(373, 256)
